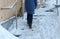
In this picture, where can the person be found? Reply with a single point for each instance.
(30, 6)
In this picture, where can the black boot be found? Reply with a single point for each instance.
(30, 26)
(29, 20)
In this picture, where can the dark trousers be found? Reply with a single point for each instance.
(29, 19)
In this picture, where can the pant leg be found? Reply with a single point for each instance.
(29, 18)
(35, 2)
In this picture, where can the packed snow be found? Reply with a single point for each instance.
(45, 24)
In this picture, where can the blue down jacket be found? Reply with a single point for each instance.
(30, 6)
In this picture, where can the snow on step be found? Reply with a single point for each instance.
(42, 12)
(48, 27)
(4, 34)
(44, 27)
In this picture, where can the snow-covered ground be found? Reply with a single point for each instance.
(45, 24)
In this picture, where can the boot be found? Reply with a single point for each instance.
(29, 20)
(30, 26)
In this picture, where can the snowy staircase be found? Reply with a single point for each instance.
(44, 26)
